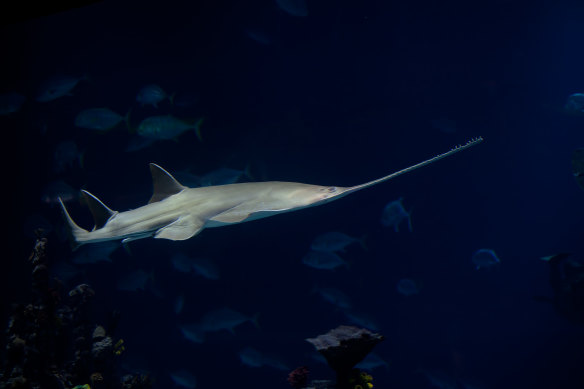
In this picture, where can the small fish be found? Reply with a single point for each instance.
(334, 241)
(372, 361)
(251, 357)
(259, 36)
(184, 378)
(324, 260)
(394, 213)
(484, 258)
(407, 287)
(334, 297)
(293, 7)
(254, 358)
(66, 156)
(101, 119)
(575, 103)
(179, 304)
(10, 103)
(362, 320)
(56, 87)
(167, 127)
(138, 142)
(134, 281)
(181, 262)
(578, 166)
(188, 179)
(206, 268)
(225, 319)
(193, 333)
(58, 190)
(439, 379)
(152, 95)
(95, 252)
(201, 266)
(223, 176)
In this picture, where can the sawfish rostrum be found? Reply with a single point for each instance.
(177, 212)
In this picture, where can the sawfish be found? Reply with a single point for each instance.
(177, 212)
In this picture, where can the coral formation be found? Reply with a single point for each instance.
(344, 347)
(298, 377)
(51, 343)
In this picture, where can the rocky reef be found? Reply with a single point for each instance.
(52, 344)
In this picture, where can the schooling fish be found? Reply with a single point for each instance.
(152, 95)
(167, 127)
(176, 212)
(57, 86)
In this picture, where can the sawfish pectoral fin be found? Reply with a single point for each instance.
(183, 228)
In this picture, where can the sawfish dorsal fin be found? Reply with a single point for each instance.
(164, 185)
(101, 213)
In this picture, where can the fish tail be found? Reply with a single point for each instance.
(247, 172)
(127, 120)
(73, 230)
(198, 129)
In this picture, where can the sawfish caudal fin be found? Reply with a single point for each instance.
(454, 150)
(74, 231)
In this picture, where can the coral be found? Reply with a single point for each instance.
(344, 347)
(52, 344)
(298, 377)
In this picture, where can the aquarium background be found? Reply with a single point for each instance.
(349, 92)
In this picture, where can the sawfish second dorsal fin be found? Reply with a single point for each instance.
(164, 185)
(101, 213)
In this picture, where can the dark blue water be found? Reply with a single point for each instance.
(346, 94)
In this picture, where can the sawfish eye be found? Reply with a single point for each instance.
(331, 189)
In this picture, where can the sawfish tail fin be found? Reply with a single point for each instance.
(454, 150)
(73, 230)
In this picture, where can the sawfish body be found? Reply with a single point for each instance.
(177, 212)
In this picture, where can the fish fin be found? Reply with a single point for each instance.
(198, 129)
(183, 228)
(73, 230)
(127, 120)
(101, 213)
(555, 257)
(164, 185)
(247, 172)
(127, 246)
